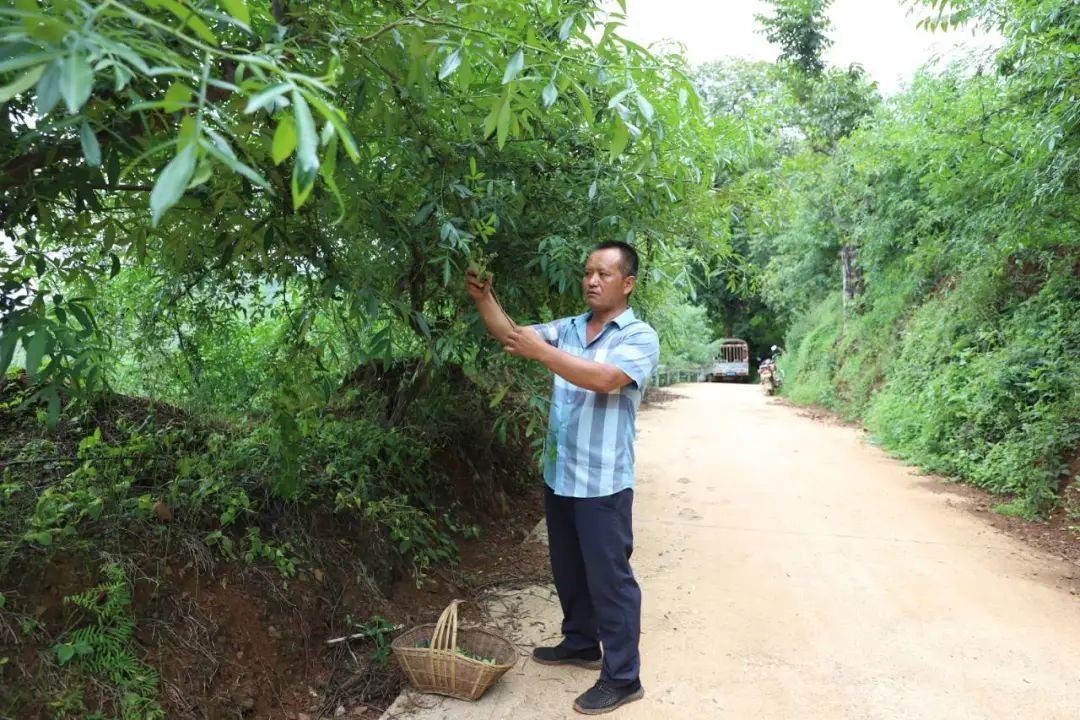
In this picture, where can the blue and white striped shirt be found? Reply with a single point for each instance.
(590, 441)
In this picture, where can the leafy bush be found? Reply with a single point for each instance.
(102, 648)
(975, 383)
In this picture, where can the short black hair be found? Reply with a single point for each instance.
(629, 255)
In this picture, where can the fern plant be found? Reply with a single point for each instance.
(102, 647)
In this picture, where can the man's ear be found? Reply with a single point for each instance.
(628, 284)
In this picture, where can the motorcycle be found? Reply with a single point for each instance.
(771, 375)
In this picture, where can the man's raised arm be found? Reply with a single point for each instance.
(496, 321)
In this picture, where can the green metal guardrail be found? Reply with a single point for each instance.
(663, 376)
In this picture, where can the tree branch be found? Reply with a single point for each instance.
(378, 33)
(124, 187)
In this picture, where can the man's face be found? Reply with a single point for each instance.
(604, 284)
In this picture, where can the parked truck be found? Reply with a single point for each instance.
(733, 362)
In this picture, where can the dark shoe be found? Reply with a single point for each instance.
(559, 655)
(603, 697)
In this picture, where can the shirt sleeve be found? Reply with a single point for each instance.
(637, 356)
(549, 331)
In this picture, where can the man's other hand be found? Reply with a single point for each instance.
(525, 342)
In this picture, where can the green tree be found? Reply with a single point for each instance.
(327, 172)
(800, 28)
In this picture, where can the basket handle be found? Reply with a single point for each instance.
(446, 629)
(444, 639)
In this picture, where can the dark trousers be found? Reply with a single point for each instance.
(591, 540)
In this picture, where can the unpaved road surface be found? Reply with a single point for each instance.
(791, 571)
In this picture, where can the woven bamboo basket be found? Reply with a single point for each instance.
(428, 655)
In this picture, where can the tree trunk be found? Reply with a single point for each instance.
(850, 274)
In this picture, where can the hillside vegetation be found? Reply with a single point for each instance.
(923, 262)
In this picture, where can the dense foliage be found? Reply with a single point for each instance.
(233, 206)
(255, 217)
(952, 331)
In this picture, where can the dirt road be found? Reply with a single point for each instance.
(792, 572)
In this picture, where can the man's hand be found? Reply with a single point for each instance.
(525, 342)
(495, 320)
(478, 289)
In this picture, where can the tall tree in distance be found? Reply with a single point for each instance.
(800, 28)
(827, 105)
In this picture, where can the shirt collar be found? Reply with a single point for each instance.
(626, 317)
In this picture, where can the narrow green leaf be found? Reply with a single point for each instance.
(228, 86)
(82, 315)
(222, 152)
(335, 117)
(172, 182)
(307, 141)
(48, 87)
(586, 106)
(619, 138)
(7, 351)
(549, 95)
(592, 190)
(422, 323)
(204, 170)
(329, 161)
(499, 396)
(284, 140)
(22, 60)
(91, 149)
(35, 349)
(189, 16)
(178, 96)
(264, 97)
(567, 27)
(450, 64)
(238, 9)
(129, 56)
(645, 107)
(326, 172)
(421, 216)
(21, 83)
(491, 119)
(218, 141)
(617, 98)
(76, 82)
(114, 269)
(303, 181)
(514, 67)
(503, 123)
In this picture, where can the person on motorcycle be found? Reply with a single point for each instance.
(770, 374)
